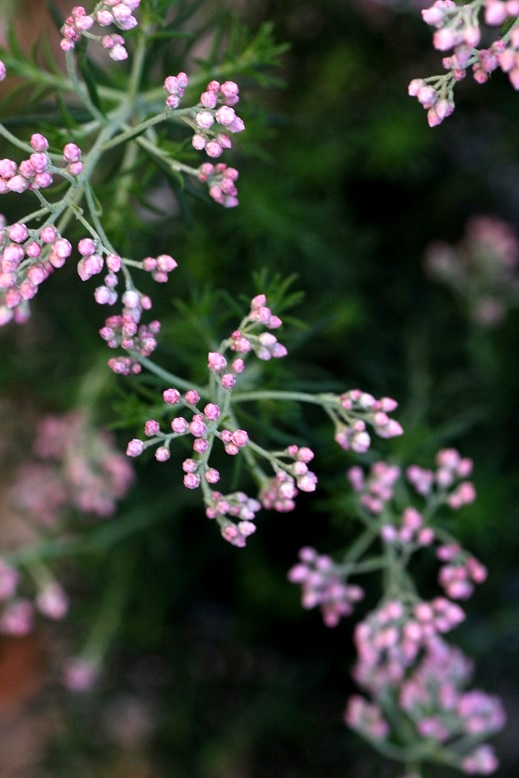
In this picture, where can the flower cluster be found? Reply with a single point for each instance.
(406, 666)
(106, 13)
(322, 583)
(214, 118)
(17, 608)
(36, 171)
(376, 489)
(75, 468)
(211, 420)
(246, 338)
(389, 640)
(235, 514)
(278, 493)
(446, 484)
(482, 269)
(458, 28)
(354, 410)
(460, 571)
(125, 330)
(175, 86)
(28, 257)
(204, 425)
(409, 527)
(404, 663)
(221, 182)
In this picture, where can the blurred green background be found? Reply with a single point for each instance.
(342, 184)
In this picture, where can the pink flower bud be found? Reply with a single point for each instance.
(204, 120)
(52, 601)
(39, 142)
(86, 246)
(17, 184)
(213, 149)
(225, 115)
(211, 411)
(135, 447)
(495, 13)
(72, 152)
(171, 396)
(212, 476)
(48, 234)
(162, 454)
(191, 480)
(240, 438)
(179, 425)
(151, 428)
(228, 381)
(39, 161)
(198, 141)
(104, 18)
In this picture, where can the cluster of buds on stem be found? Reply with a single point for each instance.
(212, 425)
(353, 411)
(27, 258)
(414, 679)
(458, 28)
(36, 172)
(205, 425)
(74, 468)
(323, 586)
(213, 118)
(221, 182)
(481, 269)
(107, 12)
(413, 675)
(18, 608)
(125, 330)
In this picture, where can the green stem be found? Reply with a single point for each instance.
(137, 68)
(94, 215)
(369, 566)
(57, 81)
(80, 89)
(274, 394)
(14, 140)
(359, 547)
(171, 379)
(133, 132)
(99, 539)
(155, 151)
(110, 614)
